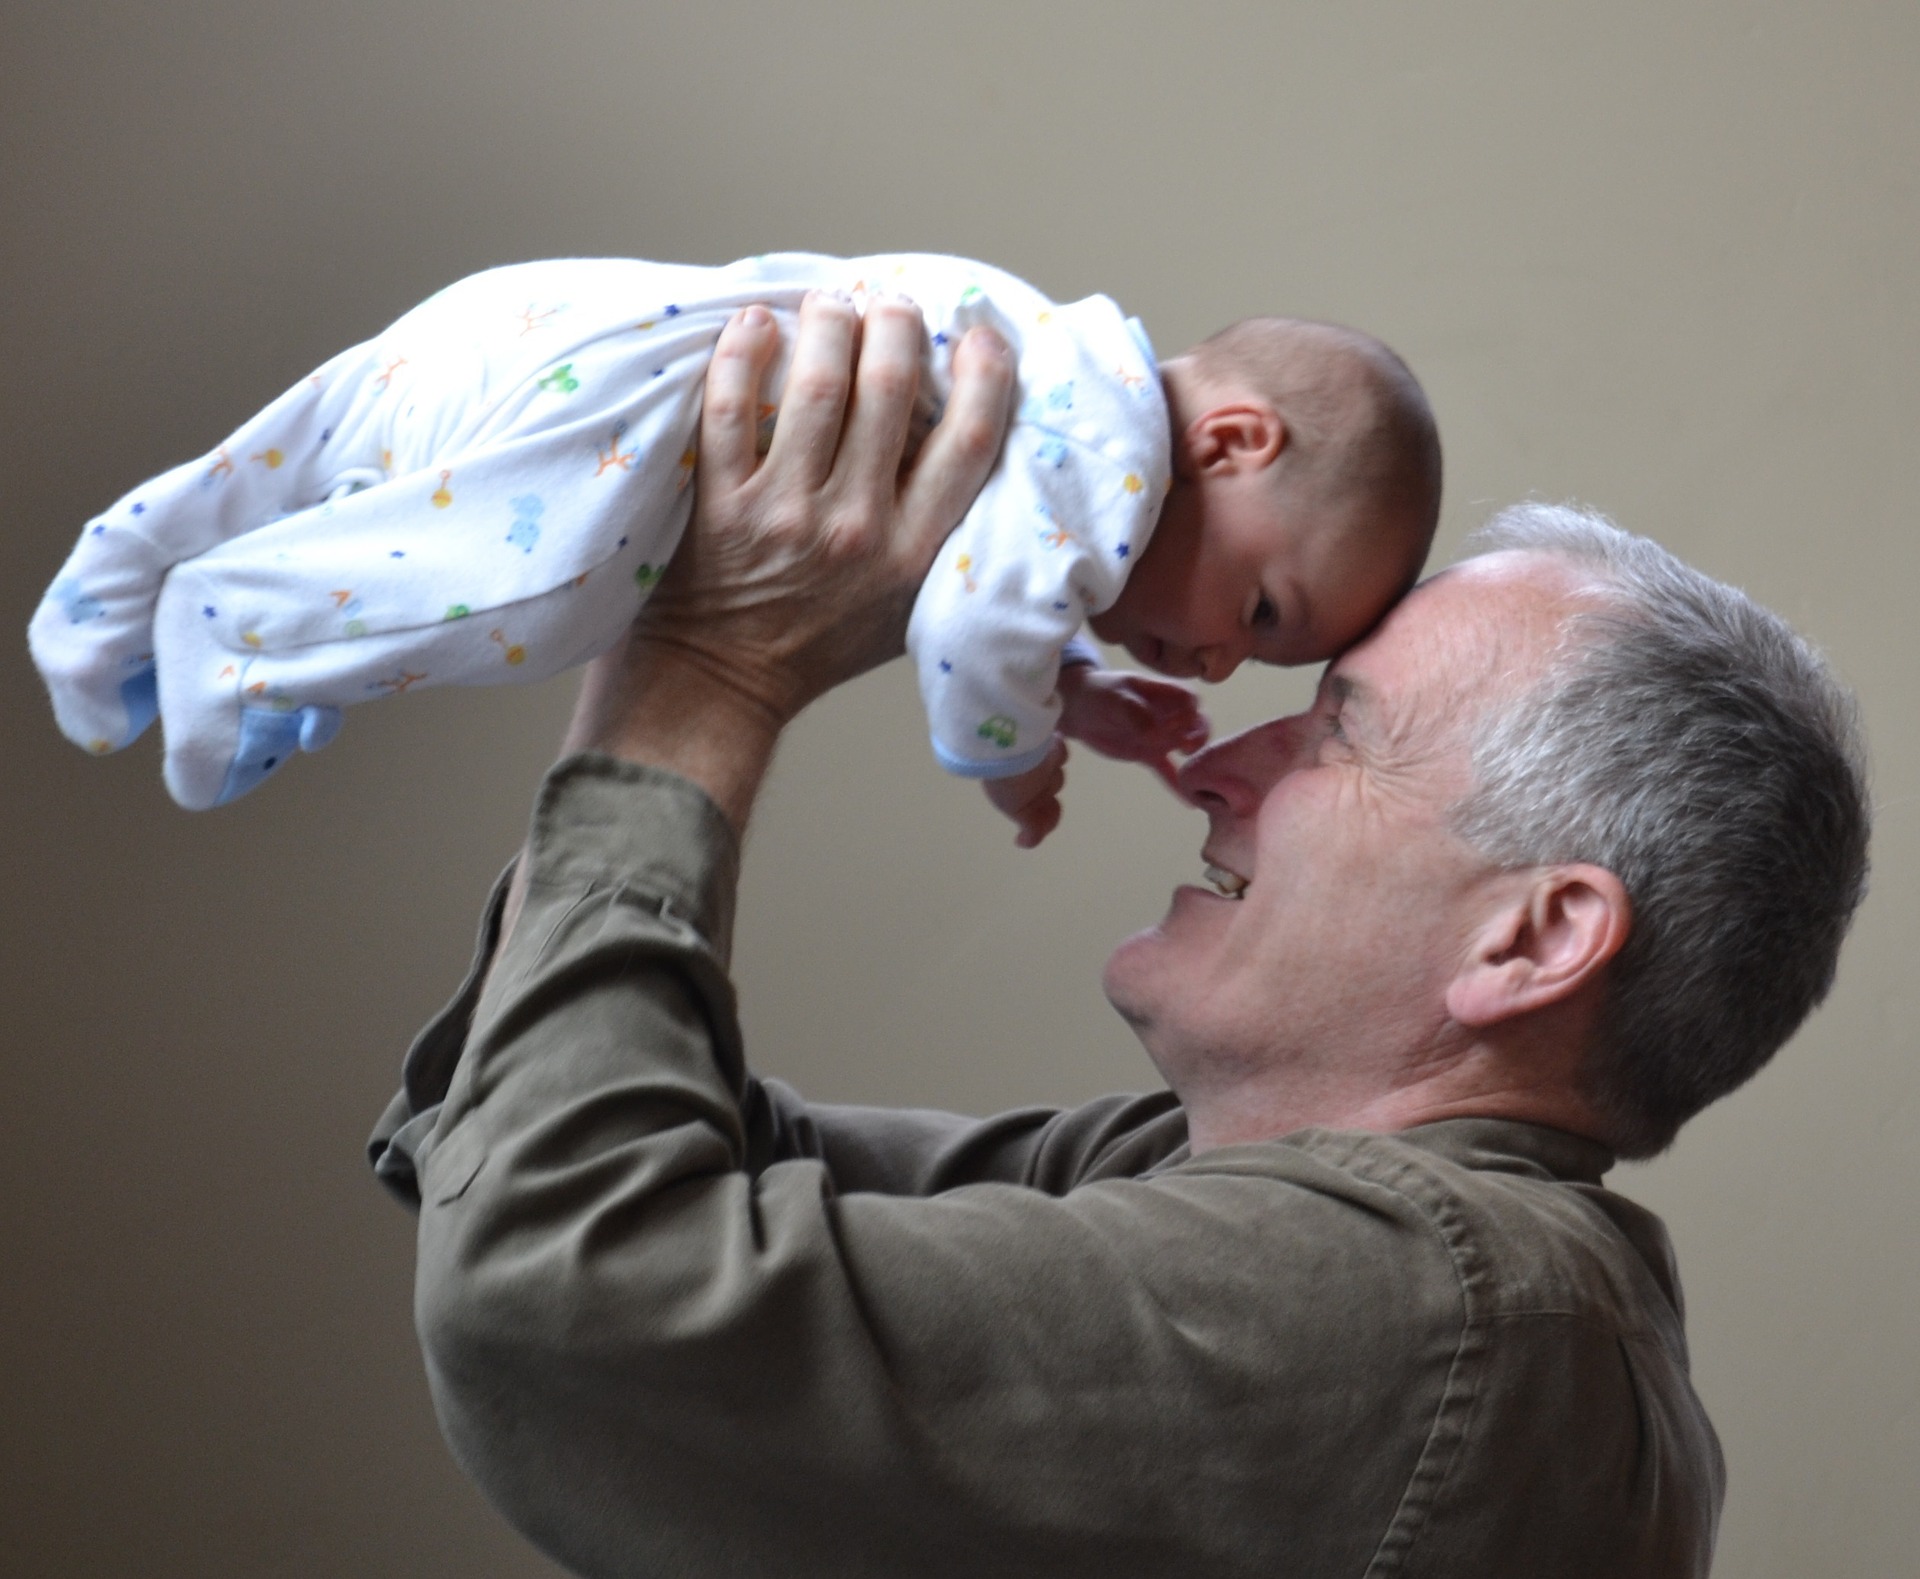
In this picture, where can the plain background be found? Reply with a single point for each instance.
(1658, 258)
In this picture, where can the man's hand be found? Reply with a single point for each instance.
(797, 572)
(1032, 799)
(1131, 717)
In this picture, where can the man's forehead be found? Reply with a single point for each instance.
(1446, 641)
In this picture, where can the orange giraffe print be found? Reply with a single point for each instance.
(385, 380)
(612, 455)
(515, 653)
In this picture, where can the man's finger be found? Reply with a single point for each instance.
(729, 411)
(960, 451)
(892, 338)
(814, 403)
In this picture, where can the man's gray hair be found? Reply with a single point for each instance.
(1686, 740)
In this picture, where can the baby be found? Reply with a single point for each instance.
(487, 491)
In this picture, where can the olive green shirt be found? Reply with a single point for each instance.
(678, 1322)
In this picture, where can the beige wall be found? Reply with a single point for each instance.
(1656, 257)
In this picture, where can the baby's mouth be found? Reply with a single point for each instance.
(1230, 885)
(1153, 653)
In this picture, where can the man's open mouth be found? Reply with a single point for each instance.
(1230, 884)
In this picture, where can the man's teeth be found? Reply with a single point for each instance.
(1232, 884)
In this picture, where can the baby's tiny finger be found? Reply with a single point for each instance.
(1039, 819)
(1174, 707)
(1167, 773)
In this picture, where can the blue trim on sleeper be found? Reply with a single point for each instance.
(1000, 768)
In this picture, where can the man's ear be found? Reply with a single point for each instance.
(1240, 436)
(1553, 934)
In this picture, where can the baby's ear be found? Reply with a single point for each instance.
(1239, 436)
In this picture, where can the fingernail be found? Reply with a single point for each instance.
(755, 317)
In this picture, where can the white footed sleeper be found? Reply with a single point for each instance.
(485, 493)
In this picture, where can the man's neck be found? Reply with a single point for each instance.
(1479, 1082)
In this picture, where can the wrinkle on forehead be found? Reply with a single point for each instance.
(1473, 638)
(1513, 614)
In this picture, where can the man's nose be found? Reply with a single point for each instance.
(1234, 775)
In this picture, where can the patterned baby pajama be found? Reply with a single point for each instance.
(486, 492)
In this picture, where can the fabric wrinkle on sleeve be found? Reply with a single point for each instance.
(632, 1333)
(674, 1322)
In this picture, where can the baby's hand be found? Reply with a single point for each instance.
(1131, 717)
(1032, 799)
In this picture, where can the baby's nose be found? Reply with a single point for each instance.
(1216, 663)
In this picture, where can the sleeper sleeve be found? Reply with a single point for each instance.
(1051, 538)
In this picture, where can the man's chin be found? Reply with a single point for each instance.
(1127, 976)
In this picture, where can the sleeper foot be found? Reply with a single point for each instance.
(268, 739)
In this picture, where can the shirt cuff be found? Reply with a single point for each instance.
(599, 820)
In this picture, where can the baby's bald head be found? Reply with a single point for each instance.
(1305, 488)
(1362, 448)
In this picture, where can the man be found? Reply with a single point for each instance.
(1561, 852)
